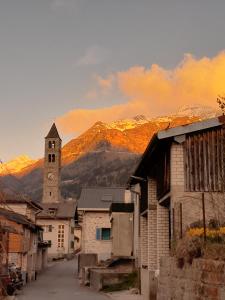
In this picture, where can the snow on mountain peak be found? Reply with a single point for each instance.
(197, 110)
(16, 165)
(128, 123)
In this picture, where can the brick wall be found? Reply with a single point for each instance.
(152, 225)
(144, 240)
(162, 233)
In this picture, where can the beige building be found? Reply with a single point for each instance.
(93, 210)
(179, 180)
(58, 215)
(57, 221)
(122, 222)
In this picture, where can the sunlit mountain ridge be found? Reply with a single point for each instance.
(16, 165)
(104, 155)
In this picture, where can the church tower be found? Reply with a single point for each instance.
(52, 167)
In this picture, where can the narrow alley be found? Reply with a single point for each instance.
(59, 282)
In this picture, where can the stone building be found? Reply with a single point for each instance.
(93, 209)
(25, 247)
(57, 217)
(181, 171)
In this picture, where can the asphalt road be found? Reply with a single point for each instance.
(59, 282)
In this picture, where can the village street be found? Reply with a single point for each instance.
(58, 282)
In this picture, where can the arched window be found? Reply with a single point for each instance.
(53, 157)
(49, 144)
(49, 158)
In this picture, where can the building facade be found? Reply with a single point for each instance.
(179, 181)
(93, 209)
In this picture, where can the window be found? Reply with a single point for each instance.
(72, 244)
(61, 236)
(51, 158)
(51, 144)
(47, 228)
(52, 211)
(103, 234)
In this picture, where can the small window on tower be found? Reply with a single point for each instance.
(50, 194)
(49, 144)
(53, 157)
(49, 158)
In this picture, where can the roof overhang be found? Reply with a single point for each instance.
(165, 137)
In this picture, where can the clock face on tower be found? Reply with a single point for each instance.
(51, 176)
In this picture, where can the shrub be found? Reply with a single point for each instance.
(187, 249)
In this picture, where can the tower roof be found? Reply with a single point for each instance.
(53, 133)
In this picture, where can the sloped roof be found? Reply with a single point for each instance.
(17, 199)
(98, 198)
(53, 133)
(164, 136)
(18, 218)
(65, 209)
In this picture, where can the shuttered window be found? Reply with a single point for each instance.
(103, 234)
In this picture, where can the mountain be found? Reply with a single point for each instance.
(104, 155)
(17, 165)
(204, 112)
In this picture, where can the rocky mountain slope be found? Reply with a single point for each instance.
(104, 155)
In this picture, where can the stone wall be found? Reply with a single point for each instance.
(204, 279)
(92, 221)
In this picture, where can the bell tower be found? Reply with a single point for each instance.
(52, 167)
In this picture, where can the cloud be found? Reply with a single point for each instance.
(105, 83)
(94, 55)
(154, 91)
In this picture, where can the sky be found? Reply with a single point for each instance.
(79, 61)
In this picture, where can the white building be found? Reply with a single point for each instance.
(93, 210)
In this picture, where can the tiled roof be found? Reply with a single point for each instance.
(53, 133)
(18, 218)
(19, 200)
(100, 197)
(65, 209)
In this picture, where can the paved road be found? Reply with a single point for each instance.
(59, 282)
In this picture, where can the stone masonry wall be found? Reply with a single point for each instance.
(92, 221)
(204, 279)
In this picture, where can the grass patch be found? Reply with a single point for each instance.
(130, 282)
